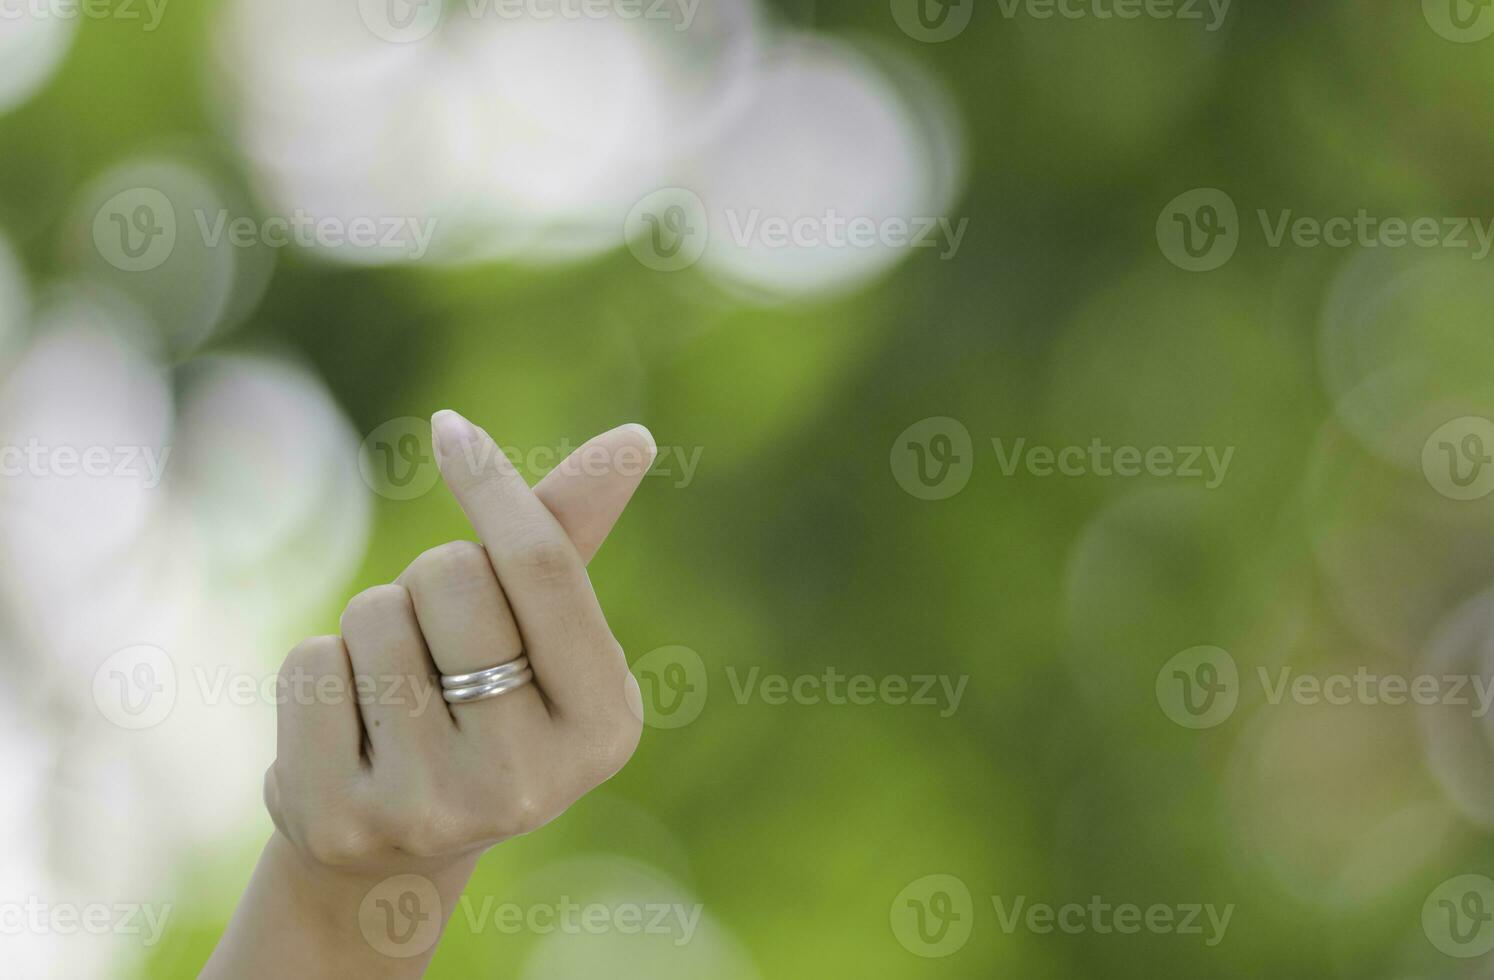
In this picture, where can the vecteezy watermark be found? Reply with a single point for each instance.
(676, 686)
(1458, 458)
(137, 230)
(755, 229)
(941, 691)
(1200, 230)
(934, 916)
(1211, 13)
(1458, 916)
(1200, 688)
(139, 687)
(406, 21)
(149, 12)
(135, 688)
(1207, 463)
(396, 460)
(407, 235)
(933, 459)
(221, 685)
(401, 916)
(933, 21)
(1366, 230)
(675, 920)
(1462, 21)
(145, 464)
(669, 230)
(39, 917)
(1202, 919)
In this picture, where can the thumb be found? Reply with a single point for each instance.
(589, 490)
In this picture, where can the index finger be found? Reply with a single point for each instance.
(574, 657)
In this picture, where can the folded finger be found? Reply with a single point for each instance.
(465, 619)
(318, 732)
(398, 693)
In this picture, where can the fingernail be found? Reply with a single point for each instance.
(450, 432)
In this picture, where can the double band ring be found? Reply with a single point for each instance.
(462, 688)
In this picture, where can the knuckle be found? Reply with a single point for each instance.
(608, 750)
(528, 813)
(375, 602)
(454, 562)
(523, 811)
(339, 843)
(427, 832)
(542, 556)
(612, 654)
(314, 656)
(271, 796)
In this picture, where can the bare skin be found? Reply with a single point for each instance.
(382, 809)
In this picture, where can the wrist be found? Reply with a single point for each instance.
(310, 919)
(390, 908)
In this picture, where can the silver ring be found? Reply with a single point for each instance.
(482, 692)
(453, 681)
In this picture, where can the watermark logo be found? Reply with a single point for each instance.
(408, 236)
(1203, 919)
(754, 229)
(401, 21)
(1461, 21)
(38, 917)
(674, 684)
(933, 916)
(396, 459)
(675, 687)
(150, 12)
(675, 920)
(1199, 230)
(1207, 463)
(135, 230)
(1458, 458)
(942, 691)
(933, 21)
(933, 459)
(1199, 687)
(668, 230)
(1213, 12)
(400, 917)
(407, 21)
(135, 688)
(145, 465)
(1458, 916)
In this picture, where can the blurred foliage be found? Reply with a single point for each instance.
(795, 550)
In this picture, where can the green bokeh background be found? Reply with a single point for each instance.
(795, 550)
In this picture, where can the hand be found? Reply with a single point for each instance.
(410, 783)
(406, 784)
